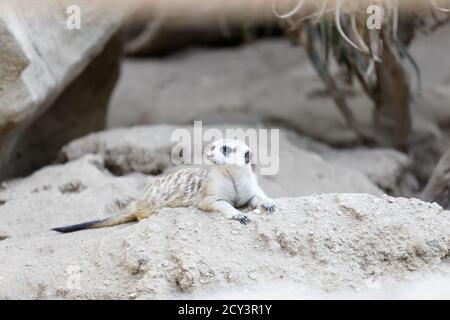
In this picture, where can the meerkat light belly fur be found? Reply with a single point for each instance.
(226, 183)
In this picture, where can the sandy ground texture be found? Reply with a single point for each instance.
(324, 242)
(319, 243)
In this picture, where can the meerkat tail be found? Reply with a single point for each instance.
(113, 221)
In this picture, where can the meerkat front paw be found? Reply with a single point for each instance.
(242, 218)
(268, 206)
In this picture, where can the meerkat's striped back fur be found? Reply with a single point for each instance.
(228, 182)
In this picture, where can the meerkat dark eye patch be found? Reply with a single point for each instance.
(226, 150)
(247, 157)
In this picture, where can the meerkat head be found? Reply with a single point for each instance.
(228, 152)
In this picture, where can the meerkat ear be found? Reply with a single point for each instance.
(248, 157)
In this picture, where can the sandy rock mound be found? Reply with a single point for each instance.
(61, 194)
(327, 242)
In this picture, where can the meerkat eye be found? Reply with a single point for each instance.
(247, 157)
(226, 150)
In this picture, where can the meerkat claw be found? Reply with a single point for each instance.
(269, 207)
(243, 219)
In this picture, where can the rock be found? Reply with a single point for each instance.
(323, 242)
(53, 89)
(302, 172)
(138, 149)
(437, 188)
(147, 149)
(431, 138)
(389, 169)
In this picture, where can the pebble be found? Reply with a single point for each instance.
(252, 276)
(165, 264)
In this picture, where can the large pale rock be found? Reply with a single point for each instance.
(136, 149)
(389, 169)
(55, 83)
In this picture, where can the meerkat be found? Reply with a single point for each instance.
(226, 183)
